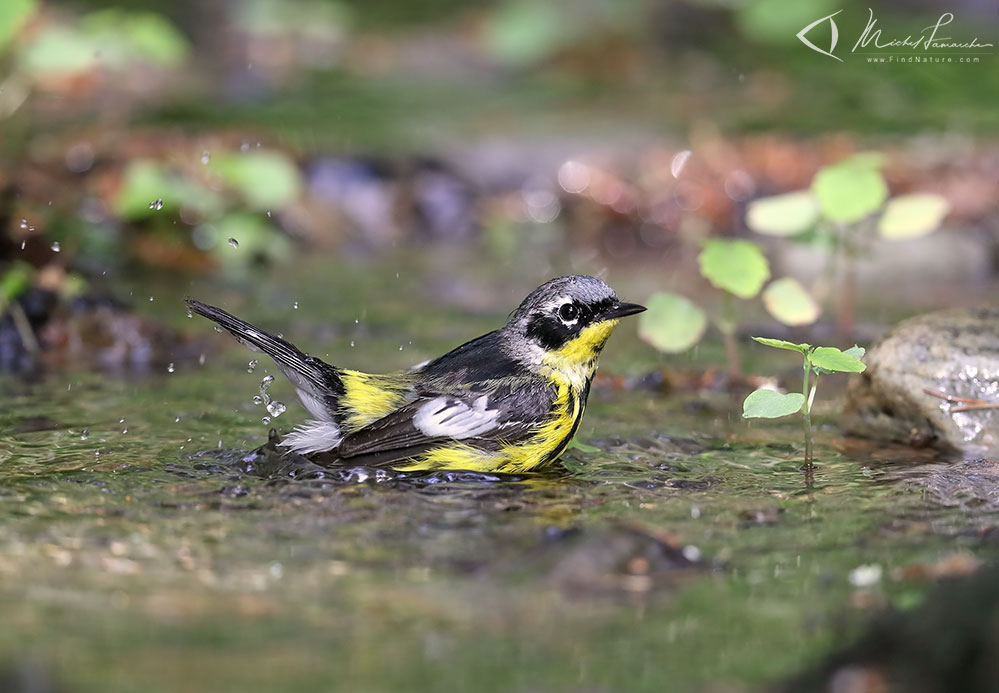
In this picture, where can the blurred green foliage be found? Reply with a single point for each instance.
(13, 15)
(265, 179)
(112, 39)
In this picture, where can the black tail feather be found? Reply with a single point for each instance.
(305, 371)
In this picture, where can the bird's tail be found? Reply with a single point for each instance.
(315, 379)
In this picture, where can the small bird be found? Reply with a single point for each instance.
(509, 401)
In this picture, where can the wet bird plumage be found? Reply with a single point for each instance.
(508, 401)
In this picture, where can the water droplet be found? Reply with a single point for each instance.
(23, 243)
(295, 305)
(265, 420)
(201, 360)
(190, 313)
(150, 299)
(400, 347)
(220, 442)
(56, 247)
(268, 214)
(156, 204)
(121, 420)
(206, 157)
(84, 434)
(276, 408)
(233, 242)
(177, 420)
(24, 223)
(678, 162)
(244, 147)
(251, 366)
(217, 329)
(170, 368)
(124, 430)
(352, 344)
(266, 383)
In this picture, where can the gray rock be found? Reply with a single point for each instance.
(952, 351)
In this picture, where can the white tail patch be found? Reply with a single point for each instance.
(313, 436)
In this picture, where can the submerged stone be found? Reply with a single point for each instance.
(930, 380)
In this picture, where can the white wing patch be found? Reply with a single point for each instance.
(444, 417)
(313, 436)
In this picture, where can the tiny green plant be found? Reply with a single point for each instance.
(818, 361)
(846, 206)
(739, 270)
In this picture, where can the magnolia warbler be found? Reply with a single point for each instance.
(509, 401)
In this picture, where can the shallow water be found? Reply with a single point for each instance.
(683, 550)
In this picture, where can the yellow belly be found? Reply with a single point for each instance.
(544, 446)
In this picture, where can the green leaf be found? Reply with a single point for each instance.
(521, 32)
(256, 239)
(136, 35)
(856, 352)
(832, 360)
(738, 267)
(781, 344)
(849, 191)
(266, 180)
(788, 301)
(671, 323)
(58, 51)
(767, 404)
(783, 215)
(13, 15)
(910, 216)
(15, 281)
(145, 181)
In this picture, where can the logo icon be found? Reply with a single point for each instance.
(833, 29)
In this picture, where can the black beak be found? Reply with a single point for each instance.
(620, 310)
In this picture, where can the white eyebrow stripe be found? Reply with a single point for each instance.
(443, 417)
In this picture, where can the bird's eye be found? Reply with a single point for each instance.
(568, 312)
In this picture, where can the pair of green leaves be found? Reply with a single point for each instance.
(769, 404)
(846, 193)
(263, 179)
(674, 324)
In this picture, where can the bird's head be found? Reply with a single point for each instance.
(566, 322)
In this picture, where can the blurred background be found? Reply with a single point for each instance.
(571, 136)
(382, 180)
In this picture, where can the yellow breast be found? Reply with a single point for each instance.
(576, 362)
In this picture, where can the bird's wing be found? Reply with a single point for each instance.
(486, 418)
(318, 383)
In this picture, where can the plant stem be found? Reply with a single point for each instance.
(727, 327)
(848, 287)
(806, 414)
